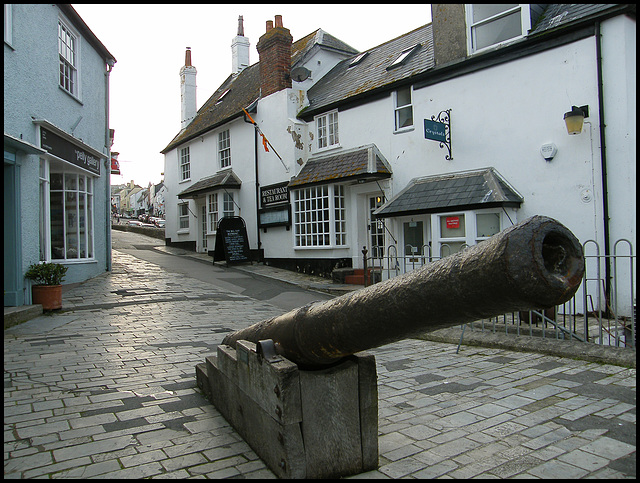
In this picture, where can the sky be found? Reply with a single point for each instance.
(149, 43)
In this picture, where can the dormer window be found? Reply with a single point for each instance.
(402, 58)
(493, 24)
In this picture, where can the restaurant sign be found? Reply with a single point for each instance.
(63, 149)
(274, 194)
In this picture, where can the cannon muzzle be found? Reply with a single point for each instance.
(533, 265)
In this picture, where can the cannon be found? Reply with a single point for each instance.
(314, 353)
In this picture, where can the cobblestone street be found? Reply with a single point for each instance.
(107, 389)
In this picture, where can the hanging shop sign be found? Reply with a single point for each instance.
(435, 130)
(439, 129)
(274, 194)
(68, 151)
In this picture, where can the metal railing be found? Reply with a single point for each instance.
(595, 314)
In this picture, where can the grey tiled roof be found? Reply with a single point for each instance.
(475, 189)
(365, 162)
(244, 89)
(221, 180)
(560, 15)
(345, 81)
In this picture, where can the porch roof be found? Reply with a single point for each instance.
(221, 180)
(483, 188)
(365, 163)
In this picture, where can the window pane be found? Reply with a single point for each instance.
(404, 117)
(452, 226)
(56, 208)
(486, 10)
(487, 224)
(499, 30)
(71, 226)
(403, 97)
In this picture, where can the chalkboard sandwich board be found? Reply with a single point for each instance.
(232, 243)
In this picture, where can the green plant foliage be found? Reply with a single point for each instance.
(46, 273)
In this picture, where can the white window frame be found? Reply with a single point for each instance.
(65, 62)
(327, 130)
(398, 109)
(472, 26)
(212, 213)
(471, 235)
(224, 149)
(183, 217)
(228, 204)
(184, 164)
(73, 213)
(320, 217)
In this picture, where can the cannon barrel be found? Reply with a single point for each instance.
(533, 265)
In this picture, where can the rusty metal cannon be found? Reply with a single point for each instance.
(311, 357)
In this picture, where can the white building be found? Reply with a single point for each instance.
(422, 145)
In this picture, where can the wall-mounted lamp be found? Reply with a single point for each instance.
(575, 118)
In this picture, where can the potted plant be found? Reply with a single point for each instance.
(47, 288)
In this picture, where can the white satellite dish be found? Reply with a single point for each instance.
(300, 74)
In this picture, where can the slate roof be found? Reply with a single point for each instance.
(363, 163)
(560, 15)
(344, 84)
(477, 189)
(220, 180)
(244, 89)
(371, 74)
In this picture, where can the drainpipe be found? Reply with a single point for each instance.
(603, 160)
(255, 158)
(110, 64)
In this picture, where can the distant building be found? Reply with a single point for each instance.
(56, 146)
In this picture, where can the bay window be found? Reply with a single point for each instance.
(320, 217)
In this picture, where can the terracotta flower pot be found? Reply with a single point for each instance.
(49, 296)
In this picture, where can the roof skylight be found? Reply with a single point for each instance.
(359, 58)
(403, 57)
(222, 95)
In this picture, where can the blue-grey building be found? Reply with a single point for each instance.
(56, 146)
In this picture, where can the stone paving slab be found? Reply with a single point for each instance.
(107, 389)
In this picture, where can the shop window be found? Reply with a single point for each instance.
(71, 215)
(452, 234)
(487, 225)
(320, 216)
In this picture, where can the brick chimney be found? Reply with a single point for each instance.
(188, 105)
(449, 32)
(239, 50)
(274, 49)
